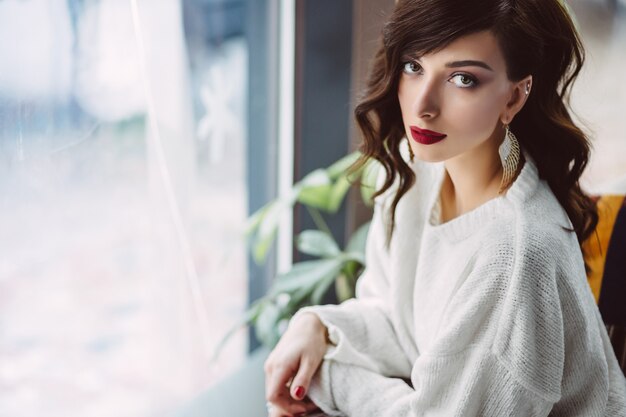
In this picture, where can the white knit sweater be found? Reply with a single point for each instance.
(488, 314)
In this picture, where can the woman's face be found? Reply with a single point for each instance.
(461, 92)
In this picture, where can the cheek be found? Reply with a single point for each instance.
(474, 113)
(403, 100)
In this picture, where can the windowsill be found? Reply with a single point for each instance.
(240, 395)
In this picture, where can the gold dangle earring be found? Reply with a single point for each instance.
(510, 157)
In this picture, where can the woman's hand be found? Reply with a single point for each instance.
(292, 364)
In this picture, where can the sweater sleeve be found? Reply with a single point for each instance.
(485, 387)
(360, 328)
(498, 352)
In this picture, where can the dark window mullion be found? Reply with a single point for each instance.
(262, 36)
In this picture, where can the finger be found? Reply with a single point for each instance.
(277, 411)
(276, 382)
(277, 392)
(291, 406)
(302, 380)
(316, 412)
(304, 407)
(310, 407)
(274, 410)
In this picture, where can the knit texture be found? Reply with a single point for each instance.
(488, 314)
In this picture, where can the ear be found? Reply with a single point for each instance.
(520, 90)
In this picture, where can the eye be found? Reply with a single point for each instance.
(411, 67)
(464, 80)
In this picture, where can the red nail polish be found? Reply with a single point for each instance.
(299, 392)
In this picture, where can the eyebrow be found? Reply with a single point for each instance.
(468, 63)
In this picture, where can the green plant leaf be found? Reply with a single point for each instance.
(344, 288)
(356, 246)
(316, 196)
(315, 178)
(317, 243)
(305, 275)
(249, 316)
(315, 188)
(321, 288)
(268, 228)
(350, 274)
(369, 179)
(353, 257)
(266, 325)
(255, 219)
(298, 297)
(265, 222)
(352, 269)
(342, 165)
(292, 196)
(337, 193)
(259, 253)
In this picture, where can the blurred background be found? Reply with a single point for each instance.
(137, 136)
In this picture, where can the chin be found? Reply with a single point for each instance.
(427, 153)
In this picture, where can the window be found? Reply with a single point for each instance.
(125, 182)
(598, 96)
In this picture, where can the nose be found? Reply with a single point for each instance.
(426, 102)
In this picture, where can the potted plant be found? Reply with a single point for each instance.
(322, 190)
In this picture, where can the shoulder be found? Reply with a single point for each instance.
(533, 232)
(541, 221)
(546, 240)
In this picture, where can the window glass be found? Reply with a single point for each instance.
(598, 97)
(122, 200)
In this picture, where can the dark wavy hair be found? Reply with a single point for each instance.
(537, 38)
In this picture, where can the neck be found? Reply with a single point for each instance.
(471, 180)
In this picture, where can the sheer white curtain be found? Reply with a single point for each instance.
(115, 273)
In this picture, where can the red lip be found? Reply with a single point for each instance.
(425, 136)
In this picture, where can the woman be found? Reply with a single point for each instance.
(474, 301)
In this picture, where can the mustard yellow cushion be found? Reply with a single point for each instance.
(596, 246)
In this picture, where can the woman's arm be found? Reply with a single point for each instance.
(499, 351)
(361, 329)
(358, 332)
(474, 384)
